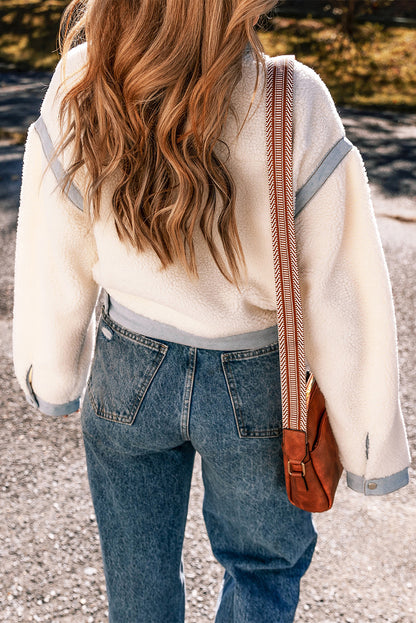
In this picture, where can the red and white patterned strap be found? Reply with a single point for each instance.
(279, 112)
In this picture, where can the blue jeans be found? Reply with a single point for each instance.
(149, 405)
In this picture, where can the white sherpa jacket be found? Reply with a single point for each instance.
(349, 320)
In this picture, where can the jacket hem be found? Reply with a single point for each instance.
(133, 321)
(378, 486)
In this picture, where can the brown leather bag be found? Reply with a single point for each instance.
(311, 460)
(310, 452)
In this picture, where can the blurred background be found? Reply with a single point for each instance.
(365, 50)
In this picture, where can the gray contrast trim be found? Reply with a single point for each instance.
(335, 155)
(73, 192)
(46, 407)
(160, 331)
(51, 409)
(378, 486)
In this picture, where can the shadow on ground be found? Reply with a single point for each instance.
(387, 141)
(30, 29)
(21, 95)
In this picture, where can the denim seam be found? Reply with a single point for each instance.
(187, 393)
(229, 379)
(145, 383)
(250, 354)
(108, 415)
(234, 398)
(135, 337)
(92, 437)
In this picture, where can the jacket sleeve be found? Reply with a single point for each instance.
(349, 318)
(55, 292)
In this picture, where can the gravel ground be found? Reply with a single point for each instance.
(364, 569)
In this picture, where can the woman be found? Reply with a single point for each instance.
(145, 179)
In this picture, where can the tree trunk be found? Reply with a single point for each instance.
(348, 17)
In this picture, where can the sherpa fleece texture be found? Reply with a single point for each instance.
(349, 320)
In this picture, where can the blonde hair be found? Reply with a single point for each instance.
(151, 105)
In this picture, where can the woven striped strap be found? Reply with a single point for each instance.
(279, 110)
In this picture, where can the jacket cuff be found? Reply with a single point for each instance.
(46, 407)
(378, 486)
(52, 409)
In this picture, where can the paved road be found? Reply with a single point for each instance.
(365, 564)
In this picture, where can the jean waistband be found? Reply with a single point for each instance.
(161, 331)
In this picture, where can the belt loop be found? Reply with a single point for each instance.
(106, 302)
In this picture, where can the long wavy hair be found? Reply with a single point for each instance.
(150, 106)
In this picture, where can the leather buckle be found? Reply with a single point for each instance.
(296, 473)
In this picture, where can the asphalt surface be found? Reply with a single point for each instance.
(364, 567)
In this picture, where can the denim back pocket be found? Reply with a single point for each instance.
(253, 381)
(123, 368)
